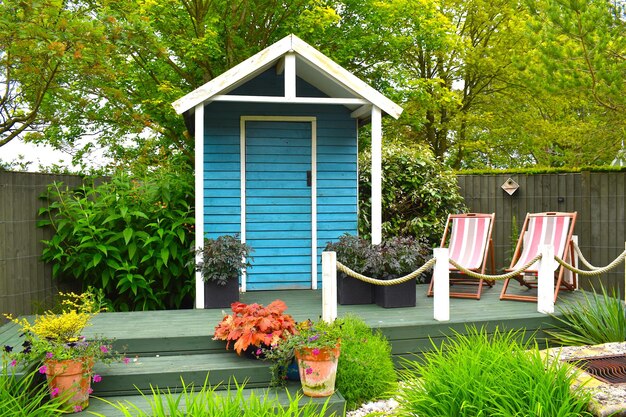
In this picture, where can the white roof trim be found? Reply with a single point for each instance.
(258, 63)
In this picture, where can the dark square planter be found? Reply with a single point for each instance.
(221, 296)
(392, 296)
(351, 291)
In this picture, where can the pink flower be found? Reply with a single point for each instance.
(315, 351)
(97, 378)
(104, 349)
(43, 369)
(13, 362)
(78, 408)
(258, 352)
(126, 360)
(309, 371)
(90, 391)
(49, 355)
(54, 392)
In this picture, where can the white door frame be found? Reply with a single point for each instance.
(242, 149)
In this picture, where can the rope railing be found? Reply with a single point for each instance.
(595, 271)
(508, 275)
(441, 263)
(386, 282)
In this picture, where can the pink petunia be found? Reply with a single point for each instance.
(97, 378)
(13, 362)
(315, 351)
(126, 360)
(78, 408)
(43, 369)
(104, 349)
(90, 390)
(54, 392)
(49, 355)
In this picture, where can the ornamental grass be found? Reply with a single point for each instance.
(232, 402)
(481, 374)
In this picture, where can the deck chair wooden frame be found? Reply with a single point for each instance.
(539, 229)
(468, 237)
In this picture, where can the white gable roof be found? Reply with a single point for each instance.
(312, 66)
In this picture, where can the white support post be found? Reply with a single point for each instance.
(199, 196)
(377, 175)
(441, 285)
(329, 286)
(290, 75)
(545, 281)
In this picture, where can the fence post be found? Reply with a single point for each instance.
(329, 286)
(441, 285)
(545, 281)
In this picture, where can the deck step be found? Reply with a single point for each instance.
(102, 406)
(166, 371)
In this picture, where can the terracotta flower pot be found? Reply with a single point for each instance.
(318, 370)
(70, 379)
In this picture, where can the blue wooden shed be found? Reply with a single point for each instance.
(276, 159)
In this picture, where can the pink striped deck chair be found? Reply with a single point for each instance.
(541, 229)
(468, 237)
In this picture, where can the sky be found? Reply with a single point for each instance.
(41, 155)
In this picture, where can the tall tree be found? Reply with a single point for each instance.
(43, 46)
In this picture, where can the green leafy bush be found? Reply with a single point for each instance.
(595, 320)
(478, 374)
(231, 403)
(130, 237)
(365, 371)
(418, 193)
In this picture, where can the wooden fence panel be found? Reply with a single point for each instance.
(26, 284)
(598, 197)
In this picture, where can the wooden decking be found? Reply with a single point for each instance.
(167, 345)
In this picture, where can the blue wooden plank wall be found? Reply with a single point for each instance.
(337, 185)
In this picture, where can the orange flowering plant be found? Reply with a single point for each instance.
(255, 325)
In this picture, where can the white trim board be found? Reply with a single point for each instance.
(242, 148)
(313, 66)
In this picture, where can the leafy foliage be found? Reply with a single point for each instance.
(255, 325)
(365, 371)
(418, 193)
(393, 258)
(130, 237)
(489, 375)
(57, 336)
(595, 320)
(223, 259)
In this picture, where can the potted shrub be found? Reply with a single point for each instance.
(317, 346)
(253, 327)
(395, 258)
(54, 344)
(353, 252)
(223, 259)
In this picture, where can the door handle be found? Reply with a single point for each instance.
(309, 179)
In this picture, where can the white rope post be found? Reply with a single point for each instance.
(545, 281)
(329, 286)
(441, 285)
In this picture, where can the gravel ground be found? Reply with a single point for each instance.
(382, 407)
